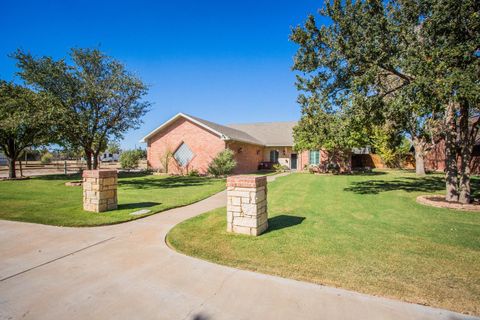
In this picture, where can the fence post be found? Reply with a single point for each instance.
(65, 167)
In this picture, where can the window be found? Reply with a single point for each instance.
(183, 155)
(314, 157)
(274, 156)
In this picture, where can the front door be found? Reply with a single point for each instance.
(293, 161)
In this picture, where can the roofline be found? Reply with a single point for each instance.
(175, 117)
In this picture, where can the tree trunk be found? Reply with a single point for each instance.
(451, 174)
(20, 165)
(88, 157)
(419, 147)
(95, 161)
(12, 174)
(465, 154)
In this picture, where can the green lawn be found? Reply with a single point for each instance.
(360, 232)
(47, 200)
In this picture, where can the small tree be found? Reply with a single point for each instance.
(114, 147)
(165, 159)
(222, 164)
(129, 159)
(26, 120)
(100, 99)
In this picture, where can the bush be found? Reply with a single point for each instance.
(194, 173)
(47, 158)
(333, 167)
(280, 168)
(129, 159)
(222, 164)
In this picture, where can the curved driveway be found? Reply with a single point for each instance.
(126, 271)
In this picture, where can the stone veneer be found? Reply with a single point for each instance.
(99, 190)
(247, 204)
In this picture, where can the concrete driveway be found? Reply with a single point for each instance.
(126, 271)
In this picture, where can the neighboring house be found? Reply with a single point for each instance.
(194, 142)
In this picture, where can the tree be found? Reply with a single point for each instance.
(377, 56)
(100, 99)
(114, 147)
(330, 132)
(222, 164)
(26, 120)
(129, 159)
(165, 159)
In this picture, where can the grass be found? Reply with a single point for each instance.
(360, 232)
(47, 200)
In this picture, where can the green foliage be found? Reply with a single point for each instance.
(395, 62)
(46, 158)
(130, 159)
(193, 173)
(26, 120)
(390, 146)
(279, 167)
(100, 99)
(114, 147)
(222, 164)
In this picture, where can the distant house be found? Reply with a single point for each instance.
(194, 142)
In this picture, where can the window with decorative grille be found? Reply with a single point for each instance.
(183, 155)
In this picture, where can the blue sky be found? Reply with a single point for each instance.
(225, 61)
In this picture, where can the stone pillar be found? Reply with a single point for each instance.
(247, 204)
(99, 190)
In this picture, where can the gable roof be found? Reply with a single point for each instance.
(262, 133)
(273, 134)
(223, 132)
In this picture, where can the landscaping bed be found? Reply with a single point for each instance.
(47, 200)
(361, 232)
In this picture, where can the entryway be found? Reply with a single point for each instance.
(293, 161)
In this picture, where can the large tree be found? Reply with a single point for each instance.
(379, 58)
(101, 100)
(26, 120)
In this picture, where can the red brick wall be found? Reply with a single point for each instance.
(204, 144)
(435, 158)
(248, 156)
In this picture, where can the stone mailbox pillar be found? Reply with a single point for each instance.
(99, 190)
(247, 204)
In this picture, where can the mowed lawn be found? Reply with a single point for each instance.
(361, 232)
(47, 200)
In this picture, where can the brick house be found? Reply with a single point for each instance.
(194, 142)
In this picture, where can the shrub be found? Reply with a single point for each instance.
(280, 168)
(47, 158)
(194, 173)
(333, 167)
(222, 164)
(129, 159)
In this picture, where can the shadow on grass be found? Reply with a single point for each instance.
(70, 176)
(137, 205)
(371, 173)
(165, 183)
(283, 221)
(426, 184)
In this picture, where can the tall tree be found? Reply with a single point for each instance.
(26, 120)
(377, 56)
(101, 100)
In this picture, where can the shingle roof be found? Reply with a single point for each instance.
(229, 132)
(270, 133)
(263, 133)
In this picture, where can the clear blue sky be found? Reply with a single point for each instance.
(225, 61)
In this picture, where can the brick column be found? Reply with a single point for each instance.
(247, 204)
(99, 190)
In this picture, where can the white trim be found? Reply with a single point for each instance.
(175, 117)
